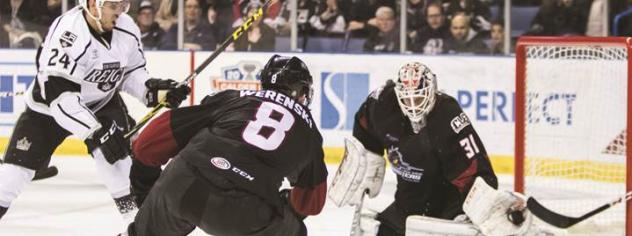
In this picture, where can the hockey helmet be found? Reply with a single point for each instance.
(288, 75)
(416, 89)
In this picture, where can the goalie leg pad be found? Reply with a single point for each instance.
(417, 225)
(361, 171)
(368, 224)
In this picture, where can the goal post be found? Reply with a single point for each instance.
(572, 104)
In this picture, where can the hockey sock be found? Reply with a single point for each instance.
(125, 204)
(2, 211)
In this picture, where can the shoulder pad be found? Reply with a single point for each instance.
(68, 34)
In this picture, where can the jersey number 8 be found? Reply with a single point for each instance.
(268, 129)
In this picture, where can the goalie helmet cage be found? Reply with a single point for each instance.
(572, 94)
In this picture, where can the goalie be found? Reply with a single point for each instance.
(431, 145)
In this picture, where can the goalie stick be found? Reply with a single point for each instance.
(562, 221)
(234, 36)
(356, 229)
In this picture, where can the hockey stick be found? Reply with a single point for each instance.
(234, 36)
(356, 230)
(562, 221)
(11, 94)
(45, 173)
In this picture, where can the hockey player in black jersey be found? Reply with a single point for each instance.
(431, 145)
(91, 52)
(230, 155)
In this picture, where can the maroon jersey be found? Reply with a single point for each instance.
(436, 164)
(253, 138)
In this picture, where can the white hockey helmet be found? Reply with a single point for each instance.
(416, 89)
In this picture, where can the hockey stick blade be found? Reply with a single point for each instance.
(234, 36)
(356, 229)
(562, 221)
(46, 173)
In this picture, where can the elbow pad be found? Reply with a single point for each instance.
(70, 113)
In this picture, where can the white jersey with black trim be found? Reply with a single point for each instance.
(99, 68)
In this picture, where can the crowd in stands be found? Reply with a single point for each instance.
(432, 26)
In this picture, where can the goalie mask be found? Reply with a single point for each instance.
(115, 5)
(288, 75)
(416, 89)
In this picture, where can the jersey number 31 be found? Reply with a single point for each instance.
(268, 130)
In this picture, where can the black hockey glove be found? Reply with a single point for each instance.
(109, 138)
(175, 94)
(285, 197)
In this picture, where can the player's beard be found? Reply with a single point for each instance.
(108, 25)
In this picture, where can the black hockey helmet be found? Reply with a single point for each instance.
(288, 75)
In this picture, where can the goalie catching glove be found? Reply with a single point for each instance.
(497, 212)
(175, 93)
(110, 141)
(360, 171)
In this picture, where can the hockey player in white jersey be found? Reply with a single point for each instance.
(90, 54)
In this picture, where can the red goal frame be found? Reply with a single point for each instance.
(520, 102)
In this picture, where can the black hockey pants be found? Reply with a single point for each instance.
(182, 199)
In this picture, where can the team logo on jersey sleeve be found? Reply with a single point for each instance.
(107, 77)
(67, 39)
(460, 122)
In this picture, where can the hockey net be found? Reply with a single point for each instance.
(572, 101)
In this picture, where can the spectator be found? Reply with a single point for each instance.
(330, 20)
(197, 33)
(415, 16)
(463, 39)
(624, 26)
(223, 10)
(218, 28)
(385, 36)
(479, 13)
(560, 17)
(259, 37)
(54, 10)
(4, 36)
(359, 13)
(166, 14)
(24, 21)
(151, 33)
(305, 10)
(495, 44)
(430, 38)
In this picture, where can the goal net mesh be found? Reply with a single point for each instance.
(576, 99)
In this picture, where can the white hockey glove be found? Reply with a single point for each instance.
(361, 171)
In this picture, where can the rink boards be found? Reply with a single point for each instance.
(484, 86)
